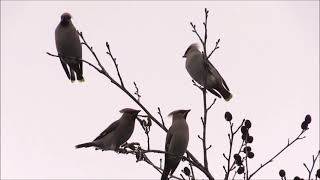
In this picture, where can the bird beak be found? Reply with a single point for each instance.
(184, 56)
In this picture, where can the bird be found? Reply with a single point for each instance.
(69, 48)
(116, 134)
(176, 142)
(196, 68)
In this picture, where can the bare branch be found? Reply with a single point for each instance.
(160, 114)
(246, 160)
(231, 138)
(114, 62)
(204, 91)
(93, 53)
(215, 48)
(214, 101)
(314, 160)
(195, 31)
(95, 67)
(192, 173)
(137, 91)
(197, 85)
(269, 161)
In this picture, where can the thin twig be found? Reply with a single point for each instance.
(114, 62)
(204, 89)
(160, 114)
(191, 168)
(146, 127)
(314, 159)
(246, 159)
(214, 101)
(195, 31)
(94, 54)
(269, 161)
(90, 64)
(234, 162)
(231, 138)
(197, 85)
(137, 91)
(215, 48)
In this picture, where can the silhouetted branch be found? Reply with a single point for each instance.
(139, 150)
(137, 91)
(159, 112)
(246, 160)
(94, 54)
(288, 145)
(146, 127)
(204, 89)
(115, 63)
(90, 64)
(191, 168)
(214, 101)
(215, 48)
(197, 85)
(231, 138)
(314, 159)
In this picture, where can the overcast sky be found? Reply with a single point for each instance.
(269, 56)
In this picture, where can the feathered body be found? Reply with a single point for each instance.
(69, 48)
(196, 68)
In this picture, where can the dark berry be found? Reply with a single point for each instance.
(247, 124)
(249, 139)
(282, 173)
(250, 155)
(186, 171)
(307, 119)
(304, 125)
(244, 130)
(296, 178)
(228, 116)
(244, 136)
(247, 149)
(237, 159)
(240, 170)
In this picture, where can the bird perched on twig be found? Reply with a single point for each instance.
(196, 68)
(69, 48)
(176, 142)
(116, 134)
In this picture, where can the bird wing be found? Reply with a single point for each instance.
(168, 139)
(109, 129)
(65, 67)
(213, 70)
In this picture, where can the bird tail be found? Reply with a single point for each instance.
(225, 93)
(78, 71)
(165, 173)
(89, 144)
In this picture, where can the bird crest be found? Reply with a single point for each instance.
(177, 112)
(191, 48)
(128, 110)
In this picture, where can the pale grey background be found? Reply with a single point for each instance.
(269, 56)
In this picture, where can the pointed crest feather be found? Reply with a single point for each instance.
(128, 110)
